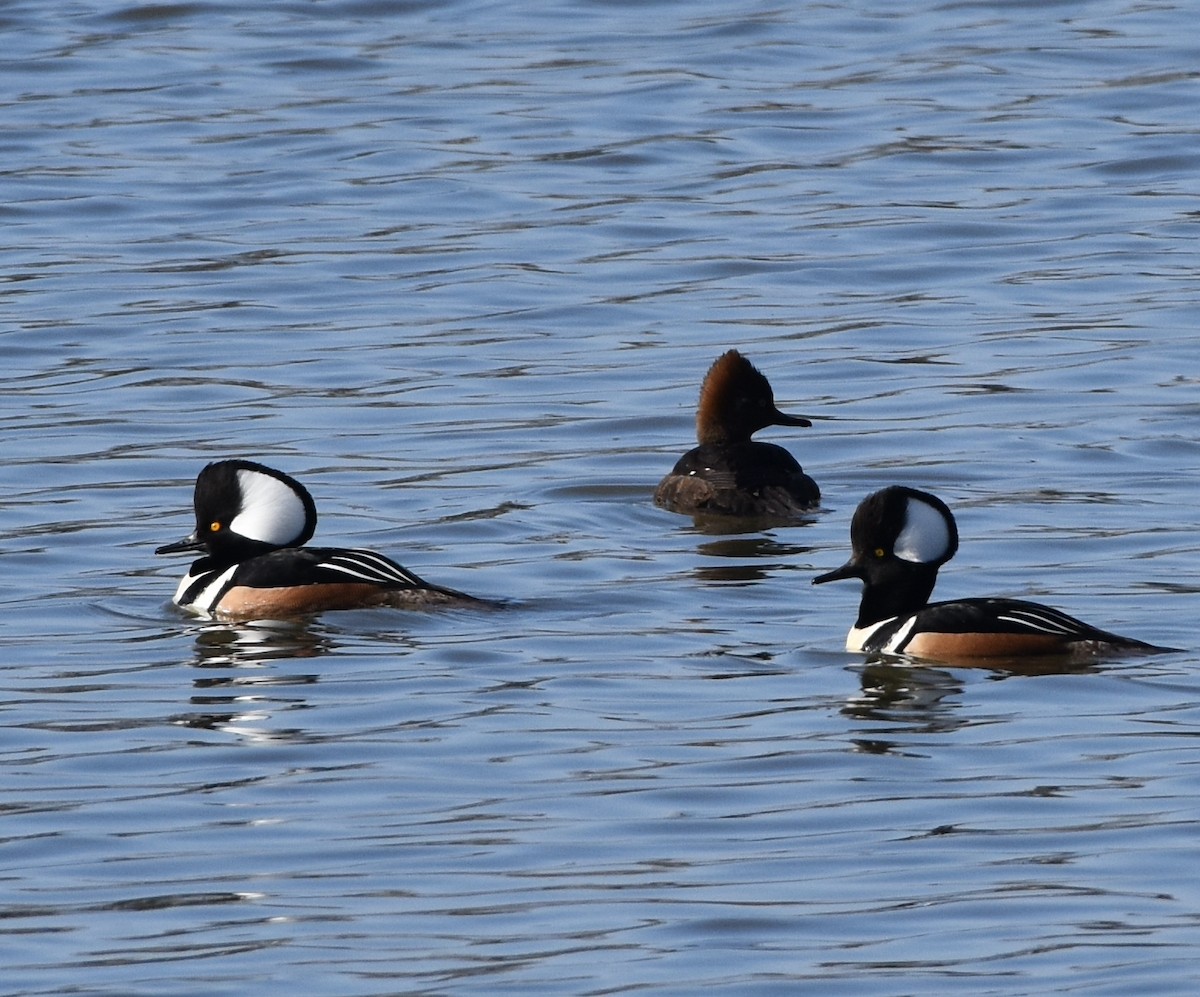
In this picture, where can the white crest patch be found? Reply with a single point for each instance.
(271, 510)
(925, 537)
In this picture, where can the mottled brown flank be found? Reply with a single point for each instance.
(245, 603)
(692, 495)
(681, 493)
(956, 647)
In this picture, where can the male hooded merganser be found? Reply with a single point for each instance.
(900, 537)
(251, 524)
(729, 473)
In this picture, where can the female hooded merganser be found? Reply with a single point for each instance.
(251, 524)
(900, 537)
(729, 473)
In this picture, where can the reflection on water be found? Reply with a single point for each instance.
(246, 645)
(761, 557)
(456, 268)
(917, 699)
(247, 699)
(926, 698)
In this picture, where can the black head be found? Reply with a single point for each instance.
(899, 537)
(243, 509)
(736, 401)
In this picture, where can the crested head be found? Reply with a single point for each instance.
(736, 401)
(905, 523)
(240, 499)
(899, 537)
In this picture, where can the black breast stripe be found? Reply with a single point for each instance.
(884, 634)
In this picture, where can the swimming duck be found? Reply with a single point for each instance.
(729, 473)
(899, 538)
(251, 524)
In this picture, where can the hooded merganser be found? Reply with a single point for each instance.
(900, 537)
(729, 473)
(251, 524)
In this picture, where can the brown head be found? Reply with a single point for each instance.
(736, 401)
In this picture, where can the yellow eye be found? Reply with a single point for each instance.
(879, 551)
(214, 527)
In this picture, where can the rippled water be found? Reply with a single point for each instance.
(460, 267)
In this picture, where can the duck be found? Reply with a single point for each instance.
(252, 522)
(729, 474)
(899, 538)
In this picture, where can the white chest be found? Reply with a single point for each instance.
(859, 636)
(209, 595)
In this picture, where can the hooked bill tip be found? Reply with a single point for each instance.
(179, 546)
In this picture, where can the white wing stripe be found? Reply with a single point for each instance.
(1050, 623)
(366, 565)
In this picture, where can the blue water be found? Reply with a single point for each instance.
(460, 268)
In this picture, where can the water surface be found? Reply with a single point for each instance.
(460, 268)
